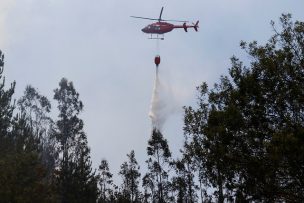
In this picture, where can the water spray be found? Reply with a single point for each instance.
(157, 109)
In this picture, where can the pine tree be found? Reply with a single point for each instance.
(6, 108)
(84, 179)
(29, 180)
(23, 177)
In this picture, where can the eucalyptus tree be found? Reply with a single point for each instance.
(23, 176)
(36, 108)
(156, 181)
(129, 171)
(105, 182)
(246, 132)
(76, 180)
(183, 181)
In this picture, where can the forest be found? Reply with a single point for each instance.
(243, 140)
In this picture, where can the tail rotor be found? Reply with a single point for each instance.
(195, 26)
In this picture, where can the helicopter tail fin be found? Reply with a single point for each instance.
(196, 26)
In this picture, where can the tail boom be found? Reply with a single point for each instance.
(185, 26)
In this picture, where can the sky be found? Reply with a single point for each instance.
(102, 50)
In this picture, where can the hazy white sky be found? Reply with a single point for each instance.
(102, 50)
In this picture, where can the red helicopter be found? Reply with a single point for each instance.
(161, 27)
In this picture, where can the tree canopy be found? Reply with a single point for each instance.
(247, 132)
(244, 140)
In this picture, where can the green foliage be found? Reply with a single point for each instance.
(183, 183)
(6, 107)
(156, 182)
(35, 109)
(243, 142)
(105, 183)
(247, 132)
(31, 147)
(76, 181)
(23, 176)
(129, 171)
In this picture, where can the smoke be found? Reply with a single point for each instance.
(164, 102)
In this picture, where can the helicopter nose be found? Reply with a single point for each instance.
(144, 30)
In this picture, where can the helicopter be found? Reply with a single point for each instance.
(161, 27)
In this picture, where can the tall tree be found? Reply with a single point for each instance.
(84, 179)
(26, 178)
(35, 108)
(23, 177)
(76, 181)
(157, 178)
(183, 182)
(6, 108)
(129, 171)
(247, 131)
(105, 182)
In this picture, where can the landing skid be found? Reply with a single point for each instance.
(161, 37)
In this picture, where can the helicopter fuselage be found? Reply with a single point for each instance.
(164, 27)
(158, 28)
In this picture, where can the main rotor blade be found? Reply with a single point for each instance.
(161, 13)
(144, 18)
(181, 21)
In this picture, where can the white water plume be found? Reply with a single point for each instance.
(163, 103)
